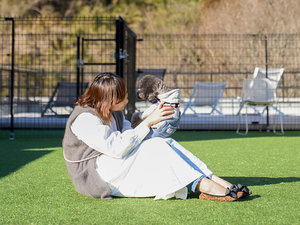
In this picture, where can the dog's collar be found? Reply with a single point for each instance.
(175, 105)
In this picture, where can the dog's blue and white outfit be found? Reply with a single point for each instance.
(167, 127)
(133, 166)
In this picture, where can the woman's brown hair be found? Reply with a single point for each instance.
(106, 89)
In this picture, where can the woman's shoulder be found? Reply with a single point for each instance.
(86, 117)
(80, 109)
(87, 120)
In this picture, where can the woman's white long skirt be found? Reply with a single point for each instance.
(157, 167)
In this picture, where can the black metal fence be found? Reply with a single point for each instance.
(41, 57)
(43, 60)
(226, 58)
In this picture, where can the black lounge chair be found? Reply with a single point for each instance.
(64, 95)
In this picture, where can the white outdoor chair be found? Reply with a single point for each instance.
(205, 94)
(274, 75)
(260, 91)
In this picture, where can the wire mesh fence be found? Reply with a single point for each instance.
(46, 54)
(229, 58)
(46, 63)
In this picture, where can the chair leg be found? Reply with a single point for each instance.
(280, 114)
(48, 106)
(218, 111)
(276, 109)
(50, 102)
(185, 108)
(241, 107)
(194, 111)
(258, 112)
(239, 121)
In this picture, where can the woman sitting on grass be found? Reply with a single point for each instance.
(105, 157)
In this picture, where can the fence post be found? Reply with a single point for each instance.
(1, 85)
(81, 78)
(266, 62)
(78, 67)
(12, 77)
(120, 30)
(130, 70)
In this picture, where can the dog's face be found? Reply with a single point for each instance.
(150, 86)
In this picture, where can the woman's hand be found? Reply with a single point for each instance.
(161, 113)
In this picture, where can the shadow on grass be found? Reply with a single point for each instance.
(257, 181)
(28, 146)
(260, 181)
(216, 135)
(13, 161)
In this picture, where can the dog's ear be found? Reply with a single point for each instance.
(152, 96)
(146, 84)
(150, 86)
(161, 87)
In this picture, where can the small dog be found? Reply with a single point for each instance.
(153, 89)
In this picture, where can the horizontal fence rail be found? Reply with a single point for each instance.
(230, 58)
(40, 55)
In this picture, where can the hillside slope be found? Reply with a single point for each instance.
(174, 16)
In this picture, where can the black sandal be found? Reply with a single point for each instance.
(231, 194)
(233, 191)
(244, 189)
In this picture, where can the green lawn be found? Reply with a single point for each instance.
(35, 187)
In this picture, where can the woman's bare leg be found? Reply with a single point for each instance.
(221, 181)
(210, 187)
(210, 190)
(226, 184)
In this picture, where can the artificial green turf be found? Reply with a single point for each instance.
(35, 187)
